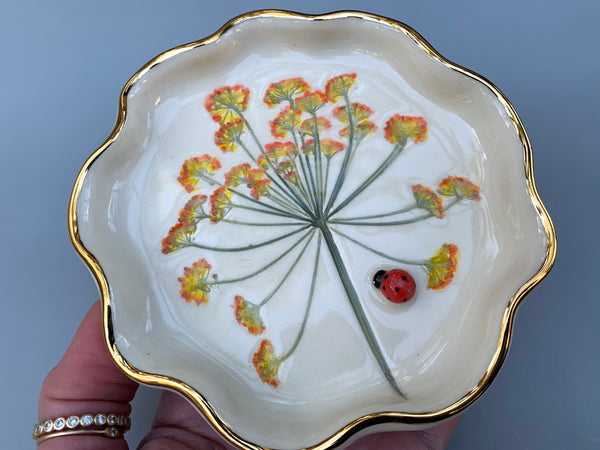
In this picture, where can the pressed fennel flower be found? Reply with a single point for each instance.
(296, 188)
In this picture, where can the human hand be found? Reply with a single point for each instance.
(86, 380)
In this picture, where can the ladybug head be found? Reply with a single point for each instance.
(378, 277)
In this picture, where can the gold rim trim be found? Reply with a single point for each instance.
(350, 429)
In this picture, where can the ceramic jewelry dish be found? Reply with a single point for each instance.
(312, 227)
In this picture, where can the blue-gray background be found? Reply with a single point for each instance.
(63, 66)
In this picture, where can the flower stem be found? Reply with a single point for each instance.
(318, 164)
(416, 219)
(214, 182)
(281, 212)
(268, 265)
(381, 169)
(310, 175)
(274, 213)
(209, 180)
(346, 162)
(277, 198)
(305, 169)
(290, 192)
(326, 179)
(358, 309)
(299, 185)
(249, 247)
(259, 224)
(384, 255)
(306, 180)
(287, 274)
(308, 304)
(313, 184)
(375, 216)
(276, 188)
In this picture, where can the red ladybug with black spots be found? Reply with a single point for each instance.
(397, 285)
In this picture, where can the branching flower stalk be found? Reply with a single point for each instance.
(295, 182)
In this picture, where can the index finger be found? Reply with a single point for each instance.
(85, 381)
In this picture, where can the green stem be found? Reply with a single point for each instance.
(384, 255)
(308, 304)
(299, 185)
(318, 164)
(259, 224)
(277, 198)
(326, 179)
(376, 216)
(287, 274)
(358, 309)
(213, 182)
(273, 213)
(276, 188)
(416, 219)
(249, 247)
(381, 169)
(209, 180)
(305, 169)
(266, 266)
(346, 162)
(304, 178)
(313, 184)
(253, 200)
(310, 175)
(290, 193)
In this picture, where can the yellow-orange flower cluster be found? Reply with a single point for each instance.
(278, 150)
(427, 199)
(361, 130)
(253, 178)
(442, 267)
(193, 211)
(237, 175)
(399, 129)
(330, 147)
(195, 282)
(311, 101)
(220, 203)
(309, 147)
(267, 363)
(227, 137)
(195, 168)
(226, 103)
(247, 314)
(180, 236)
(262, 161)
(310, 127)
(285, 90)
(285, 122)
(258, 183)
(287, 169)
(338, 87)
(260, 188)
(359, 113)
(459, 187)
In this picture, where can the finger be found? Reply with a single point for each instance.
(86, 380)
(435, 438)
(179, 425)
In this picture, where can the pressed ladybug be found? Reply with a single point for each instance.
(397, 285)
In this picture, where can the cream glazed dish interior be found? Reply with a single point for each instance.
(312, 227)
